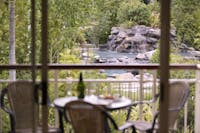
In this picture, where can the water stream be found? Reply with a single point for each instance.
(113, 55)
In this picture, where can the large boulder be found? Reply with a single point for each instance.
(137, 39)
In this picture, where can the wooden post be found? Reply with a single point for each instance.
(197, 102)
(1, 125)
(164, 65)
(44, 70)
(33, 47)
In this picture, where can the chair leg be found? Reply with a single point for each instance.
(149, 131)
(60, 112)
(133, 129)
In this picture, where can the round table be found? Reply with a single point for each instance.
(108, 103)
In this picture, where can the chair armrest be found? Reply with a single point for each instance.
(154, 119)
(2, 97)
(151, 101)
(126, 126)
(158, 113)
(123, 127)
(38, 87)
(141, 102)
(2, 103)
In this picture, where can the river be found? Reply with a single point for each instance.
(113, 55)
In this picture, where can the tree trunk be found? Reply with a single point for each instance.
(12, 60)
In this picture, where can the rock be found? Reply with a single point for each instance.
(130, 32)
(119, 40)
(120, 48)
(173, 33)
(112, 60)
(141, 29)
(103, 47)
(115, 30)
(123, 59)
(151, 40)
(155, 33)
(150, 54)
(190, 58)
(141, 56)
(102, 60)
(122, 35)
(125, 76)
(110, 37)
(127, 45)
(195, 53)
(191, 49)
(101, 71)
(138, 38)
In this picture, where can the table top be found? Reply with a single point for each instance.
(109, 104)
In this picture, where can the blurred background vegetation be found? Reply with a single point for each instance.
(75, 22)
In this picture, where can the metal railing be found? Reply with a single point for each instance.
(137, 89)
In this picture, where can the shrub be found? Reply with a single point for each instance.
(155, 14)
(134, 11)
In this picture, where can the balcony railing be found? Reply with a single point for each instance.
(137, 89)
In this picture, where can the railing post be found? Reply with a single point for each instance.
(197, 102)
(129, 90)
(1, 127)
(154, 91)
(56, 95)
(185, 116)
(141, 94)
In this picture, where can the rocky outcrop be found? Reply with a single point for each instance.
(137, 39)
(141, 41)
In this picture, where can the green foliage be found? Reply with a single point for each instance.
(70, 56)
(4, 28)
(155, 14)
(103, 29)
(68, 28)
(71, 13)
(147, 112)
(197, 24)
(134, 11)
(66, 21)
(185, 22)
(106, 18)
(174, 58)
(156, 57)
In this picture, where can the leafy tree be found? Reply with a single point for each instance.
(134, 11)
(4, 33)
(106, 18)
(183, 18)
(197, 24)
(67, 18)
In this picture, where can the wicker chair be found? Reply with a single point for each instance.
(21, 95)
(179, 92)
(89, 118)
